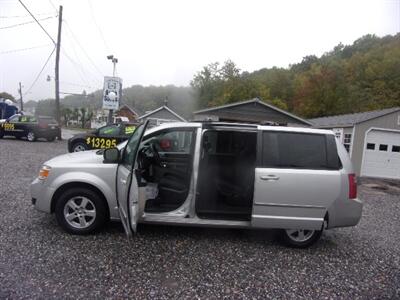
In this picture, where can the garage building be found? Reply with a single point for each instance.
(372, 139)
(250, 111)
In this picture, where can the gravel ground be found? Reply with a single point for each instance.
(39, 260)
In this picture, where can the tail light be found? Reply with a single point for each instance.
(352, 186)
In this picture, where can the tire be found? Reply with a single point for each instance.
(51, 139)
(297, 238)
(31, 136)
(86, 209)
(79, 146)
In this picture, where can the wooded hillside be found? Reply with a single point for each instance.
(360, 77)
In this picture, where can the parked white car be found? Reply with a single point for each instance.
(299, 180)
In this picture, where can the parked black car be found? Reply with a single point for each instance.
(30, 127)
(104, 137)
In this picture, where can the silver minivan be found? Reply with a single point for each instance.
(298, 180)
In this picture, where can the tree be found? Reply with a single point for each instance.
(83, 116)
(46, 108)
(6, 95)
(66, 113)
(75, 114)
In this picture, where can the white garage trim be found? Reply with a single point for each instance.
(352, 142)
(362, 172)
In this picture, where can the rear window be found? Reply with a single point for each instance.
(299, 151)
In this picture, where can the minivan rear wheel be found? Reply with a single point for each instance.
(80, 211)
(300, 238)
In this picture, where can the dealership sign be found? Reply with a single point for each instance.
(112, 92)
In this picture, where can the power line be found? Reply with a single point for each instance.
(40, 73)
(93, 77)
(69, 83)
(24, 49)
(83, 50)
(20, 1)
(25, 16)
(97, 25)
(76, 84)
(52, 4)
(75, 64)
(26, 23)
(79, 64)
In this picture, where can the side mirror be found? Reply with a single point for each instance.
(111, 156)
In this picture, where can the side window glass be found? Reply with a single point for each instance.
(24, 119)
(15, 119)
(111, 130)
(130, 150)
(178, 141)
(298, 150)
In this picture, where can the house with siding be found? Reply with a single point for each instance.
(372, 139)
(161, 115)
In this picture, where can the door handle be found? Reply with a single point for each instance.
(123, 181)
(269, 177)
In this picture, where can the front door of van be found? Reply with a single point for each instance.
(127, 183)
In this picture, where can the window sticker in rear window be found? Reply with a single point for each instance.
(130, 129)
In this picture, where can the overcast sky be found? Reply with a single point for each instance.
(166, 42)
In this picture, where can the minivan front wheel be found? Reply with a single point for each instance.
(80, 211)
(300, 238)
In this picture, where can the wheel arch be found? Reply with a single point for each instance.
(86, 185)
(76, 141)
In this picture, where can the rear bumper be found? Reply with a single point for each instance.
(345, 213)
(48, 133)
(41, 195)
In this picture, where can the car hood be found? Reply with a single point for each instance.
(80, 135)
(83, 157)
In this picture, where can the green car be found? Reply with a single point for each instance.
(104, 137)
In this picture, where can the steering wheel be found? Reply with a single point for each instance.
(156, 155)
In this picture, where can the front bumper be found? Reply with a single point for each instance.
(41, 195)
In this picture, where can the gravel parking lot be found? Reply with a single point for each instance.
(39, 260)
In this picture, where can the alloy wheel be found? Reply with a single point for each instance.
(79, 148)
(299, 235)
(79, 212)
(31, 136)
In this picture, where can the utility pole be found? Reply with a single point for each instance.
(57, 69)
(20, 97)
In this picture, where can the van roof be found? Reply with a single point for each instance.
(255, 126)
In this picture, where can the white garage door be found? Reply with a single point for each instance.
(382, 154)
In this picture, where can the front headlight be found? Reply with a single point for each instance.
(44, 172)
